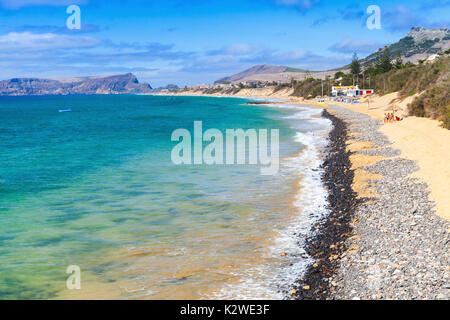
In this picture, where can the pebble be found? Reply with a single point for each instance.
(403, 247)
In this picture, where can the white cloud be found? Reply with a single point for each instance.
(17, 4)
(350, 45)
(301, 4)
(236, 49)
(294, 55)
(18, 41)
(240, 48)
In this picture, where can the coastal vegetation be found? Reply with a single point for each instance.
(430, 80)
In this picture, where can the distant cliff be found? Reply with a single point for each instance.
(117, 84)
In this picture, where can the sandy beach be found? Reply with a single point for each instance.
(398, 247)
(387, 233)
(420, 139)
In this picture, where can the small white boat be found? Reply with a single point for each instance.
(66, 110)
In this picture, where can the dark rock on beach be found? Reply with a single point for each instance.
(327, 242)
(392, 246)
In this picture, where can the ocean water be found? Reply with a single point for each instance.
(96, 188)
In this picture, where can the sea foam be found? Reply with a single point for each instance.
(273, 281)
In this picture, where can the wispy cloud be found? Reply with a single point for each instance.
(400, 18)
(85, 28)
(434, 4)
(349, 45)
(236, 57)
(302, 5)
(352, 13)
(20, 41)
(30, 54)
(17, 4)
(319, 21)
(236, 49)
(173, 29)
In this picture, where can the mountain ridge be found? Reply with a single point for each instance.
(114, 84)
(257, 69)
(418, 44)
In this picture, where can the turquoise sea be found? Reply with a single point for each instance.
(96, 188)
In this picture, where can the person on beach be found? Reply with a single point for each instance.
(385, 118)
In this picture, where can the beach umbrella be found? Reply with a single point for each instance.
(394, 109)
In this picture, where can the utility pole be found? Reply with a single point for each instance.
(328, 86)
(322, 88)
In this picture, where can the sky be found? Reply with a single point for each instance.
(197, 41)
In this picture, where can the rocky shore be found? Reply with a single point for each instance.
(387, 246)
(327, 240)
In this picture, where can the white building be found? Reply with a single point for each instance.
(349, 91)
(431, 58)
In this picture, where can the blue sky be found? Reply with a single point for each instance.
(197, 41)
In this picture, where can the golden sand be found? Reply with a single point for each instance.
(420, 139)
(424, 141)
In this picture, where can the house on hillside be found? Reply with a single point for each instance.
(431, 58)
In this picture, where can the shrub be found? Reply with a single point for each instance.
(433, 103)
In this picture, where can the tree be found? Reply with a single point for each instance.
(339, 74)
(293, 82)
(370, 69)
(383, 63)
(399, 61)
(355, 67)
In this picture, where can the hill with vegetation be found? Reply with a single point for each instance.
(416, 45)
(430, 80)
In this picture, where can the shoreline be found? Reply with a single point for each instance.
(383, 238)
(328, 235)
